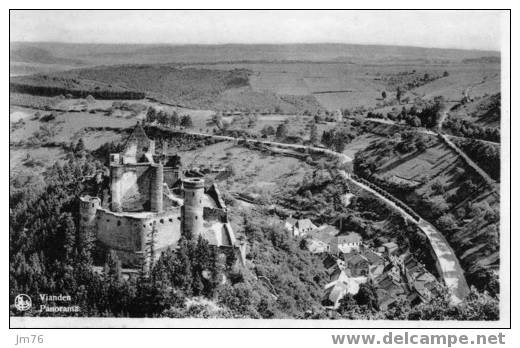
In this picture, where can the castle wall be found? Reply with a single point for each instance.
(214, 214)
(119, 232)
(171, 175)
(129, 235)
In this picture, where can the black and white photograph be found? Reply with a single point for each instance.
(259, 168)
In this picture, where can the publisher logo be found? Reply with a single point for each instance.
(22, 302)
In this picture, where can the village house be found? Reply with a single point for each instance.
(299, 227)
(346, 243)
(391, 248)
(321, 239)
(366, 263)
(339, 286)
(422, 283)
(388, 289)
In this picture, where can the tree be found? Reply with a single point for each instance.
(80, 146)
(267, 131)
(314, 134)
(399, 94)
(151, 115)
(383, 94)
(366, 296)
(281, 131)
(174, 119)
(415, 121)
(186, 121)
(446, 74)
(436, 205)
(327, 138)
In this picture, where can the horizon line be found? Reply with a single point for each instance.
(250, 44)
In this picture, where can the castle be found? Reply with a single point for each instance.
(151, 202)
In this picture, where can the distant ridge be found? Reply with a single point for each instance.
(109, 54)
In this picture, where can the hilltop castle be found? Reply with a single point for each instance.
(143, 207)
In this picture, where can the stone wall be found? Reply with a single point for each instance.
(119, 232)
(129, 235)
(171, 175)
(215, 214)
(134, 187)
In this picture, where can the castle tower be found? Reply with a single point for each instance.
(156, 192)
(87, 216)
(192, 210)
(116, 173)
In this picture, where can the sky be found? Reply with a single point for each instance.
(442, 29)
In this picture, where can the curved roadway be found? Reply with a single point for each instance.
(449, 267)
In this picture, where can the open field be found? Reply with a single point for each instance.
(255, 172)
(259, 76)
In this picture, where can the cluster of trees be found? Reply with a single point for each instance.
(287, 280)
(337, 139)
(477, 306)
(268, 131)
(51, 91)
(48, 254)
(468, 129)
(171, 119)
(486, 155)
(428, 117)
(281, 131)
(408, 80)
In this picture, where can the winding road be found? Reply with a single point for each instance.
(448, 264)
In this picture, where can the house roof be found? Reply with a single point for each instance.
(291, 220)
(390, 245)
(425, 277)
(324, 233)
(351, 237)
(357, 258)
(336, 292)
(372, 257)
(305, 224)
(386, 281)
(330, 261)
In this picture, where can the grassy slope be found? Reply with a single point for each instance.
(476, 240)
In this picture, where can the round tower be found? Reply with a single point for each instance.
(156, 196)
(88, 207)
(192, 210)
(116, 173)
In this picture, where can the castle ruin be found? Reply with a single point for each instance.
(151, 200)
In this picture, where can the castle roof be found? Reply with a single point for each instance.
(138, 136)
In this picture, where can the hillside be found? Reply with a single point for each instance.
(104, 54)
(31, 54)
(435, 182)
(197, 88)
(55, 85)
(484, 111)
